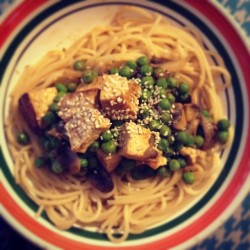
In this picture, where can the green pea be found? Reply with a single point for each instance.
(125, 166)
(41, 161)
(166, 117)
(23, 138)
(59, 96)
(126, 71)
(168, 151)
(79, 65)
(155, 125)
(106, 136)
(165, 130)
(198, 141)
(165, 104)
(143, 60)
(206, 114)
(114, 71)
(57, 167)
(109, 147)
(89, 76)
(84, 162)
(162, 92)
(223, 136)
(174, 165)
(158, 72)
(163, 144)
(162, 82)
(171, 139)
(146, 94)
(163, 172)
(61, 87)
(145, 113)
(53, 107)
(172, 82)
(171, 98)
(189, 141)
(146, 70)
(72, 87)
(184, 88)
(181, 137)
(132, 64)
(182, 162)
(223, 124)
(49, 118)
(94, 146)
(148, 81)
(189, 177)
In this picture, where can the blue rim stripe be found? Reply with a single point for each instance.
(236, 87)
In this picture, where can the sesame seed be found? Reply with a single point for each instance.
(119, 99)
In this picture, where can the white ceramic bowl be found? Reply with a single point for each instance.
(36, 27)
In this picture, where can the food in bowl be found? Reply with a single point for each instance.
(121, 129)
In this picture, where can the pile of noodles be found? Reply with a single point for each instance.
(132, 206)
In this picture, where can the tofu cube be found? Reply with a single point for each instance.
(137, 142)
(119, 97)
(73, 104)
(194, 155)
(110, 161)
(41, 100)
(34, 105)
(84, 123)
(160, 160)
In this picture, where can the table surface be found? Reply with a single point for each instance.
(235, 233)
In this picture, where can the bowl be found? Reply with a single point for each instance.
(33, 28)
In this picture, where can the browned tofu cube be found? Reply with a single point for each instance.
(194, 155)
(137, 142)
(41, 100)
(84, 123)
(160, 160)
(110, 161)
(119, 97)
(35, 104)
(73, 104)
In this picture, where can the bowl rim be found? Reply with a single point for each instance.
(238, 43)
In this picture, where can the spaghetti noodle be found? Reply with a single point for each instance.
(131, 206)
